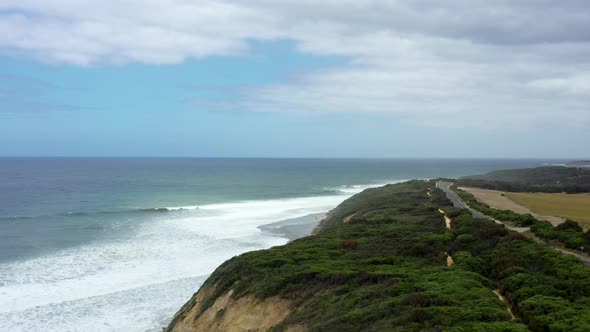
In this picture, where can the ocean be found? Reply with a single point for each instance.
(120, 244)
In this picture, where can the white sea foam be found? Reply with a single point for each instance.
(177, 208)
(137, 283)
(356, 188)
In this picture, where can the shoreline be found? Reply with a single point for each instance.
(296, 228)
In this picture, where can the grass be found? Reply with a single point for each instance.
(568, 233)
(569, 206)
(496, 199)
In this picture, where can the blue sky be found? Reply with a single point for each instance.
(291, 79)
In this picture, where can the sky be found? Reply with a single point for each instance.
(295, 78)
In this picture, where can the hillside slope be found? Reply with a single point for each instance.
(379, 263)
(539, 179)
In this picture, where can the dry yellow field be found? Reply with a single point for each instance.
(496, 199)
(499, 200)
(571, 206)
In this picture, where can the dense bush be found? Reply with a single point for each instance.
(537, 280)
(520, 220)
(569, 234)
(385, 269)
(550, 179)
(570, 225)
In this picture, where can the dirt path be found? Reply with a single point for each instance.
(498, 200)
(445, 186)
(499, 295)
(450, 260)
(447, 219)
(458, 202)
(347, 219)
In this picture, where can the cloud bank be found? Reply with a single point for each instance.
(453, 63)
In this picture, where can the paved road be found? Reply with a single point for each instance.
(457, 202)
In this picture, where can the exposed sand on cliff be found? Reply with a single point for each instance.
(227, 314)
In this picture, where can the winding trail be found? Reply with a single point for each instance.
(450, 260)
(503, 299)
(458, 202)
(447, 219)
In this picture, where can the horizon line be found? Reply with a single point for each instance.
(286, 157)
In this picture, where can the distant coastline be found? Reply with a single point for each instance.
(578, 163)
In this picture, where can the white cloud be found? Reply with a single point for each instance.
(578, 85)
(453, 63)
(97, 32)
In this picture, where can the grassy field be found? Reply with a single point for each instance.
(496, 199)
(500, 200)
(571, 206)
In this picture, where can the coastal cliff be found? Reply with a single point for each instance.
(379, 262)
(230, 314)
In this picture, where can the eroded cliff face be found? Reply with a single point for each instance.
(246, 313)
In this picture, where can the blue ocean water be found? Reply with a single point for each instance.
(121, 243)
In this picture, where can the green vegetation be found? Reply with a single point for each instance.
(521, 220)
(571, 206)
(569, 234)
(548, 290)
(384, 269)
(551, 179)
